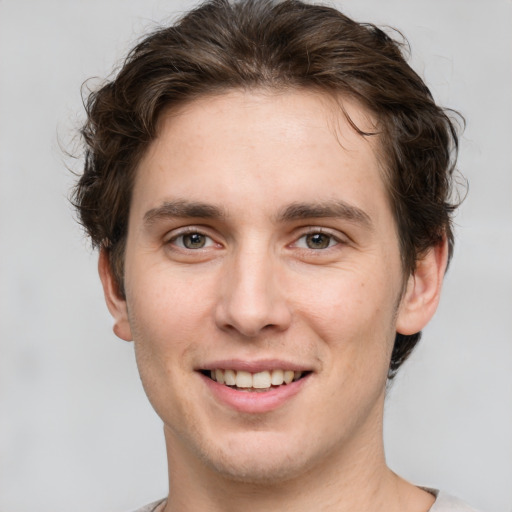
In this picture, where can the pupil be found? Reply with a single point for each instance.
(194, 241)
(317, 241)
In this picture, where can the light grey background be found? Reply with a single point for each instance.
(76, 432)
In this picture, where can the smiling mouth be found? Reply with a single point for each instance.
(254, 382)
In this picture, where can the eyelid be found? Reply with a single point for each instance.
(187, 230)
(340, 238)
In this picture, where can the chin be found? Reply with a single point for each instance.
(260, 461)
(257, 472)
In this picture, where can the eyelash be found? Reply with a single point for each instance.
(187, 232)
(333, 240)
(318, 231)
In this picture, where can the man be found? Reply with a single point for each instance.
(268, 184)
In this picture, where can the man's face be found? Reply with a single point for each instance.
(262, 247)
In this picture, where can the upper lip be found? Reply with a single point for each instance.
(254, 366)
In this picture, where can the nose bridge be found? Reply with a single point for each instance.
(251, 299)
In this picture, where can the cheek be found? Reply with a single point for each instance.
(161, 298)
(349, 298)
(354, 315)
(166, 316)
(165, 322)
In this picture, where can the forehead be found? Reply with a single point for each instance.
(291, 145)
(287, 112)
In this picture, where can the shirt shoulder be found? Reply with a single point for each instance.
(444, 503)
(447, 503)
(150, 507)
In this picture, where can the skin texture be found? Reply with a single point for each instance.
(257, 293)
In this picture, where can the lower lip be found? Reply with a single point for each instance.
(253, 401)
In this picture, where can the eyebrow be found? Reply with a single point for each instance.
(326, 209)
(184, 209)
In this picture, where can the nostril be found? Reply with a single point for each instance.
(249, 310)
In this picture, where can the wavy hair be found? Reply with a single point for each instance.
(223, 45)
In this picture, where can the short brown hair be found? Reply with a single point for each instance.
(224, 45)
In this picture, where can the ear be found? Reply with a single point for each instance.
(423, 291)
(116, 303)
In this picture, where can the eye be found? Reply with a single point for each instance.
(316, 240)
(192, 240)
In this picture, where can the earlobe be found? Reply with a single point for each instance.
(116, 303)
(423, 292)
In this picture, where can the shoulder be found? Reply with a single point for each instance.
(444, 503)
(151, 507)
(447, 503)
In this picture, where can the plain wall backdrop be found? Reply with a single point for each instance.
(76, 431)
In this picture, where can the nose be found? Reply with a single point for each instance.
(252, 297)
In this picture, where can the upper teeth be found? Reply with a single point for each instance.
(260, 380)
